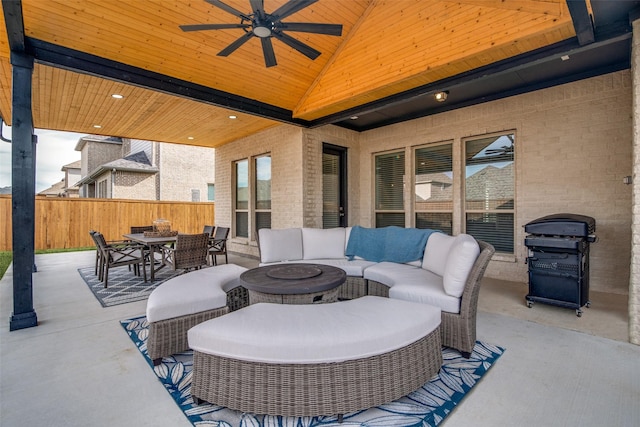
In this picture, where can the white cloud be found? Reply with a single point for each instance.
(54, 150)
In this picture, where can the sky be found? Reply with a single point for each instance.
(54, 150)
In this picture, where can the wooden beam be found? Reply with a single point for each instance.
(23, 180)
(581, 21)
(15, 25)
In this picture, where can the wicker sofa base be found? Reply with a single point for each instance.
(169, 336)
(315, 389)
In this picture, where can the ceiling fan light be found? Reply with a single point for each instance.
(262, 31)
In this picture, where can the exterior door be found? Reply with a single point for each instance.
(334, 186)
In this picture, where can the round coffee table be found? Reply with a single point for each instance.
(293, 283)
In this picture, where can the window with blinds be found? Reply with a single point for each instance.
(490, 190)
(433, 188)
(242, 198)
(389, 189)
(263, 192)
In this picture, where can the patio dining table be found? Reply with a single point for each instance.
(154, 244)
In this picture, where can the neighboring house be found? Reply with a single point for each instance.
(56, 190)
(72, 174)
(122, 168)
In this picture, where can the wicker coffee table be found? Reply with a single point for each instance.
(293, 283)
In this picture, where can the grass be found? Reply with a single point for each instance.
(7, 256)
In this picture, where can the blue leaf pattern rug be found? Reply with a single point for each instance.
(427, 406)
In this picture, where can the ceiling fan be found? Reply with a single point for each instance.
(265, 25)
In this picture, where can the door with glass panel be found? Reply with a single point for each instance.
(334, 186)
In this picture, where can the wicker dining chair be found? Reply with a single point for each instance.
(118, 254)
(209, 229)
(218, 245)
(189, 252)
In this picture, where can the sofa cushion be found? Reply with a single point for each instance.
(462, 256)
(436, 252)
(323, 243)
(353, 268)
(429, 292)
(315, 333)
(280, 245)
(193, 292)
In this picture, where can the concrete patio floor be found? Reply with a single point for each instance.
(79, 368)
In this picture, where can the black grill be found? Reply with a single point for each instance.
(559, 260)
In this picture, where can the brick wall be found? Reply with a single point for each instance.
(131, 185)
(284, 145)
(184, 168)
(573, 149)
(634, 287)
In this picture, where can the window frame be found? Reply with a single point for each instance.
(414, 208)
(376, 210)
(257, 210)
(495, 211)
(235, 209)
(251, 210)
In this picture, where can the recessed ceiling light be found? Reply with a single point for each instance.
(117, 96)
(97, 126)
(189, 137)
(565, 57)
(233, 117)
(354, 117)
(441, 96)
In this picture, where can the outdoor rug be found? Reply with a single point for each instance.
(124, 286)
(427, 406)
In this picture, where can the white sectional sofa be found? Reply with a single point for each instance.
(447, 273)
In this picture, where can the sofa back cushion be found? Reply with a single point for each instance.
(436, 253)
(462, 255)
(320, 243)
(280, 245)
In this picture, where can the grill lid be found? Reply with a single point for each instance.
(562, 224)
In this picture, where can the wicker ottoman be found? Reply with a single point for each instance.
(312, 360)
(184, 301)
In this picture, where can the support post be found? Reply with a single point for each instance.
(23, 175)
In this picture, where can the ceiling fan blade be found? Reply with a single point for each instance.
(305, 27)
(199, 27)
(258, 8)
(304, 49)
(227, 8)
(290, 8)
(236, 44)
(267, 51)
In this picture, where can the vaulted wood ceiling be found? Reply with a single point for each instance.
(175, 86)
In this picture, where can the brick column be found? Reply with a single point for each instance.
(634, 279)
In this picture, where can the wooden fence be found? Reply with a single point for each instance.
(65, 222)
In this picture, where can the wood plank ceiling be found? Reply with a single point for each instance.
(386, 47)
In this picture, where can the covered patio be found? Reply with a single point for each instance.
(79, 367)
(368, 88)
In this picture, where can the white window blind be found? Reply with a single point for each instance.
(242, 198)
(263, 192)
(433, 188)
(389, 189)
